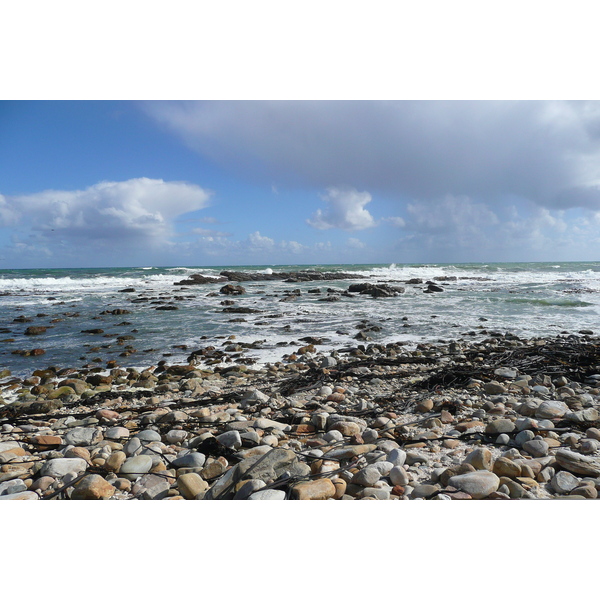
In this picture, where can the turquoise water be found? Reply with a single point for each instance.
(528, 299)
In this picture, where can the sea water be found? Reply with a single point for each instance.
(526, 299)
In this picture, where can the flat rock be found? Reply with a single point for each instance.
(148, 435)
(21, 496)
(83, 436)
(563, 482)
(578, 463)
(135, 466)
(500, 426)
(13, 486)
(59, 467)
(493, 388)
(318, 489)
(478, 484)
(267, 495)
(93, 487)
(551, 409)
(192, 459)
(349, 451)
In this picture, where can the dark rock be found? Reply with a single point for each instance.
(33, 330)
(232, 290)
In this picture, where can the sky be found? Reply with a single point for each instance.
(200, 183)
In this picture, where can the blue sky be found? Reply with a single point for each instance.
(124, 183)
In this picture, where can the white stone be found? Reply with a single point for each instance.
(397, 457)
(267, 495)
(83, 436)
(478, 484)
(59, 467)
(230, 439)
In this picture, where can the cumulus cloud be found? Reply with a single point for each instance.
(345, 211)
(355, 243)
(547, 152)
(210, 232)
(140, 210)
(260, 242)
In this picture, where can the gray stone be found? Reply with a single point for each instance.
(524, 436)
(59, 467)
(9, 446)
(116, 433)
(269, 466)
(493, 388)
(589, 446)
(500, 426)
(376, 493)
(384, 467)
(578, 463)
(563, 482)
(536, 448)
(192, 459)
(21, 496)
(263, 423)
(83, 436)
(367, 476)
(254, 397)
(397, 457)
(477, 484)
(230, 439)
(398, 476)
(525, 423)
(148, 435)
(588, 415)
(267, 495)
(506, 373)
(370, 435)
(133, 446)
(135, 466)
(176, 436)
(248, 488)
(327, 362)
(540, 389)
(424, 490)
(551, 409)
(503, 438)
(12, 487)
(154, 487)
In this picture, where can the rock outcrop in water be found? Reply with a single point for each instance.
(290, 277)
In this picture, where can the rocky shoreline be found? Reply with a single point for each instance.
(500, 418)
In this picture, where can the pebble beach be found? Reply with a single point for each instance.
(500, 417)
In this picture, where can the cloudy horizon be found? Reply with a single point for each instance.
(298, 182)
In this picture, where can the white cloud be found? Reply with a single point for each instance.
(395, 221)
(210, 232)
(345, 211)
(293, 247)
(355, 243)
(118, 212)
(260, 242)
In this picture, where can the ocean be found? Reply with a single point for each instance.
(525, 299)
